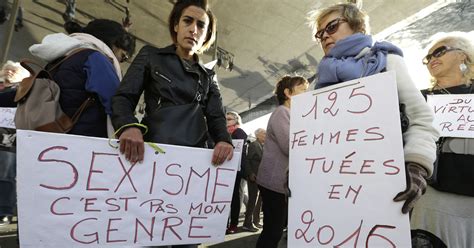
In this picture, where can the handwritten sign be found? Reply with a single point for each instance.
(76, 191)
(346, 166)
(7, 117)
(454, 114)
(238, 147)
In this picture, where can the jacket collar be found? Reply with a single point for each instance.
(171, 49)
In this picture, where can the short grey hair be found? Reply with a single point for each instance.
(259, 131)
(236, 117)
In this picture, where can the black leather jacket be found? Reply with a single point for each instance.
(167, 81)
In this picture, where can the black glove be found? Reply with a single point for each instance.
(416, 186)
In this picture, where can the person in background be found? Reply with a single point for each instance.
(254, 204)
(349, 53)
(10, 75)
(272, 177)
(233, 128)
(4, 15)
(447, 208)
(93, 70)
(174, 82)
(70, 10)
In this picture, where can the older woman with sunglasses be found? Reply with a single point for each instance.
(342, 30)
(447, 209)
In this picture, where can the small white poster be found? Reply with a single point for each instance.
(7, 117)
(454, 114)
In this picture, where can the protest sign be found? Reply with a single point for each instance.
(7, 117)
(454, 114)
(76, 191)
(346, 166)
(238, 147)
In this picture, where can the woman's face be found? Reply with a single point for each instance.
(339, 28)
(444, 60)
(191, 31)
(231, 123)
(298, 89)
(120, 54)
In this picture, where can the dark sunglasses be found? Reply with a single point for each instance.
(330, 28)
(438, 52)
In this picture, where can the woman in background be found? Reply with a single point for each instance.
(92, 70)
(447, 208)
(272, 178)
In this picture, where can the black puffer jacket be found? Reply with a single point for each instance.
(167, 81)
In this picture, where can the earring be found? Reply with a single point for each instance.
(463, 68)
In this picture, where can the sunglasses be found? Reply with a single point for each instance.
(438, 52)
(330, 28)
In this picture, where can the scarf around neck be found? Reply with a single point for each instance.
(100, 46)
(344, 62)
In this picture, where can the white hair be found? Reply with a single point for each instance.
(259, 131)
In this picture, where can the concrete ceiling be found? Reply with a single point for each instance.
(269, 38)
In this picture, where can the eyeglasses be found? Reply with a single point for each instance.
(230, 119)
(438, 52)
(330, 28)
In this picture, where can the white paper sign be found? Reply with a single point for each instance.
(346, 166)
(238, 147)
(7, 117)
(454, 114)
(76, 191)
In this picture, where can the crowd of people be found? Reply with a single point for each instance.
(180, 93)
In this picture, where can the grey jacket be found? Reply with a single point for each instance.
(273, 170)
(254, 157)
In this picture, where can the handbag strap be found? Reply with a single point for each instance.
(90, 100)
(66, 58)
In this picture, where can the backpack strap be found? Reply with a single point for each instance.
(27, 83)
(64, 124)
(66, 58)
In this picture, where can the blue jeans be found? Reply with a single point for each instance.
(7, 182)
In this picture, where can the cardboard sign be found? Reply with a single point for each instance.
(7, 117)
(454, 114)
(76, 191)
(346, 166)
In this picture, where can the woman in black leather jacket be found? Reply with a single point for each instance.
(182, 98)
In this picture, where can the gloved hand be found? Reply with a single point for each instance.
(416, 186)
